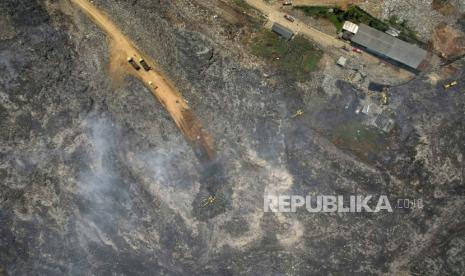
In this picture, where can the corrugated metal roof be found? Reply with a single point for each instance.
(282, 31)
(350, 27)
(391, 47)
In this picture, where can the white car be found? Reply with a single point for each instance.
(290, 18)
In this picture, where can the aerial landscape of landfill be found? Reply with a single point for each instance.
(232, 137)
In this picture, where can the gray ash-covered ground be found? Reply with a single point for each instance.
(97, 180)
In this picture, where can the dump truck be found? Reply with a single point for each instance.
(133, 64)
(144, 64)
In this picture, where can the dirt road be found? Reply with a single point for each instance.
(326, 41)
(274, 15)
(120, 49)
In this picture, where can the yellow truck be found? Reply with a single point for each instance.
(450, 84)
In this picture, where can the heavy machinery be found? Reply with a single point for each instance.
(384, 96)
(298, 113)
(144, 64)
(450, 84)
(209, 201)
(133, 64)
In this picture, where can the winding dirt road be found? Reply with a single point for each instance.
(120, 49)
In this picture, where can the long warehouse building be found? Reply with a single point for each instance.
(386, 45)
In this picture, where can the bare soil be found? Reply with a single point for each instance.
(448, 41)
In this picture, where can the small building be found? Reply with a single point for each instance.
(282, 31)
(387, 46)
(342, 61)
(350, 27)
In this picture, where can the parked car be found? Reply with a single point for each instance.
(357, 50)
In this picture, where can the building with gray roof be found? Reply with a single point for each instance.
(282, 31)
(388, 46)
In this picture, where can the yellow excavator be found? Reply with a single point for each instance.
(299, 112)
(450, 84)
(384, 96)
(209, 201)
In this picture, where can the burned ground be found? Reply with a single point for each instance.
(96, 179)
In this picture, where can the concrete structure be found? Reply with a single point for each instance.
(282, 31)
(350, 27)
(387, 46)
(342, 61)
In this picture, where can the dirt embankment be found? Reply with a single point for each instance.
(120, 49)
(449, 42)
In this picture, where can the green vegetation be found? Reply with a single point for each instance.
(297, 57)
(324, 12)
(315, 11)
(406, 33)
(338, 16)
(357, 15)
(336, 22)
(359, 138)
